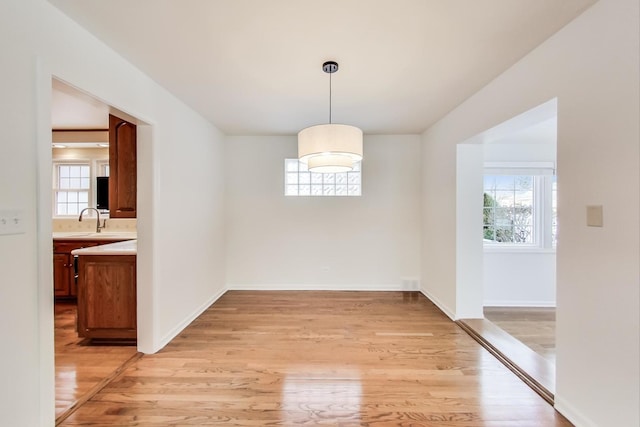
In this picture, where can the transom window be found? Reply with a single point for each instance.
(300, 182)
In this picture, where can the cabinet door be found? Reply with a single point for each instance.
(122, 168)
(107, 296)
(61, 275)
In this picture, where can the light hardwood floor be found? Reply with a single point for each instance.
(80, 368)
(319, 358)
(535, 327)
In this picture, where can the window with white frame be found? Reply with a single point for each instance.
(72, 186)
(519, 208)
(300, 182)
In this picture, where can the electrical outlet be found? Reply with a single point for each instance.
(11, 222)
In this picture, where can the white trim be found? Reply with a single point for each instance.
(571, 413)
(314, 287)
(491, 248)
(187, 321)
(511, 303)
(439, 304)
(520, 168)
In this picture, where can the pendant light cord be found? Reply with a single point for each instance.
(330, 98)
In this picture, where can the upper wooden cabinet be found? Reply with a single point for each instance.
(122, 168)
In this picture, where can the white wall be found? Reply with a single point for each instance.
(592, 67)
(519, 279)
(178, 151)
(278, 242)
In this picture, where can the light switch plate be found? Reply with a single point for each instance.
(594, 216)
(11, 222)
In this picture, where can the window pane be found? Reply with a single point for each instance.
(523, 182)
(83, 197)
(72, 209)
(291, 190)
(61, 209)
(64, 171)
(61, 197)
(74, 183)
(341, 190)
(316, 178)
(504, 235)
(292, 178)
(354, 190)
(304, 190)
(353, 178)
(329, 190)
(489, 182)
(84, 172)
(504, 182)
(304, 178)
(504, 198)
(487, 216)
(84, 183)
(291, 165)
(330, 178)
(316, 190)
(64, 183)
(489, 233)
(74, 171)
(522, 234)
(341, 178)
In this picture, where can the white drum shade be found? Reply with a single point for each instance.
(330, 147)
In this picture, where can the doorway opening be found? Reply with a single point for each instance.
(507, 227)
(80, 157)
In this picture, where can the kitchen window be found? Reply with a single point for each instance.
(72, 185)
(300, 182)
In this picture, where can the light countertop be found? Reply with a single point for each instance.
(128, 247)
(87, 235)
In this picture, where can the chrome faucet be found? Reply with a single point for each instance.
(98, 228)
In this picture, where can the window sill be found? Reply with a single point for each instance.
(517, 250)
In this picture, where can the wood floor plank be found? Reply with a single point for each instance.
(535, 327)
(80, 368)
(319, 358)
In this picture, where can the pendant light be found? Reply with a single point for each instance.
(330, 148)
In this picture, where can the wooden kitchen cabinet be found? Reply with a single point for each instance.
(107, 296)
(122, 168)
(62, 275)
(64, 272)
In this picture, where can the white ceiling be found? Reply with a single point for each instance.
(254, 67)
(72, 109)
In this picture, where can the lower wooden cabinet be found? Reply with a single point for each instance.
(107, 296)
(63, 275)
(64, 272)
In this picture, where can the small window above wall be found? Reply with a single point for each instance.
(298, 181)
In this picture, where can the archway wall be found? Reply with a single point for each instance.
(178, 148)
(592, 67)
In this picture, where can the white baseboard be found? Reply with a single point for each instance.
(512, 303)
(187, 321)
(314, 287)
(572, 414)
(439, 304)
